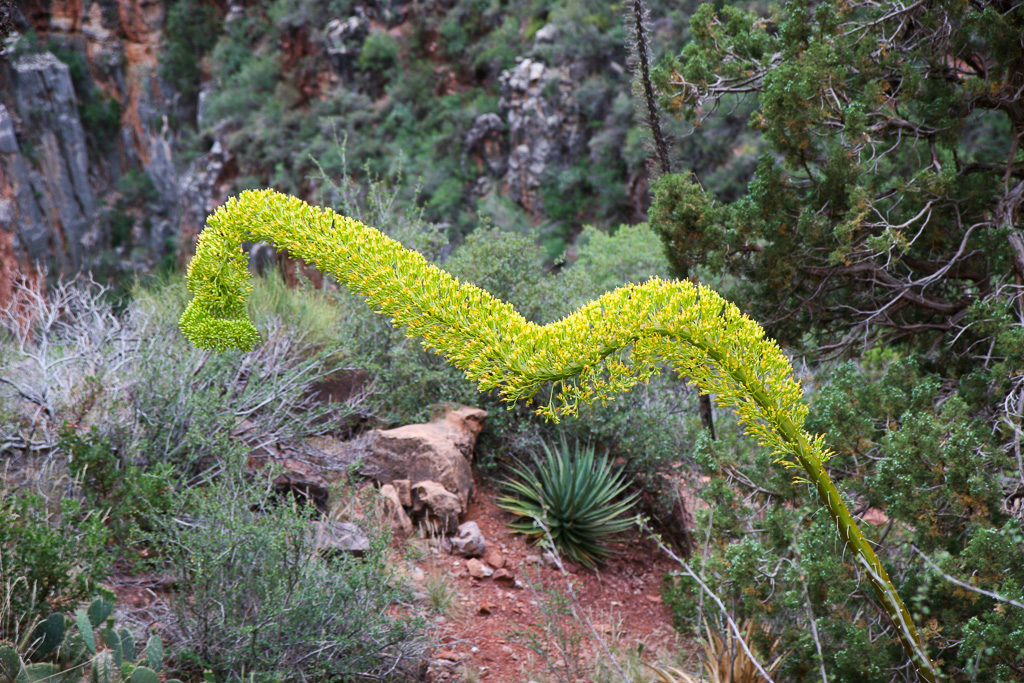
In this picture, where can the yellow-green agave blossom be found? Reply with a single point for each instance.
(603, 349)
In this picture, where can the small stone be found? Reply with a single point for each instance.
(469, 542)
(532, 559)
(474, 649)
(506, 649)
(441, 506)
(495, 559)
(654, 599)
(339, 537)
(401, 525)
(478, 570)
(504, 576)
(446, 654)
(486, 607)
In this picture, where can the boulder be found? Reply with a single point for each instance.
(439, 451)
(51, 200)
(469, 542)
(487, 144)
(546, 132)
(404, 488)
(339, 537)
(495, 559)
(344, 40)
(504, 576)
(438, 505)
(478, 570)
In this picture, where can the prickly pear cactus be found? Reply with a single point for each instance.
(103, 669)
(154, 652)
(48, 635)
(10, 663)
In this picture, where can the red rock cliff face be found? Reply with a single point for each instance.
(67, 173)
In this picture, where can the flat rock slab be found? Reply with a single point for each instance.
(339, 537)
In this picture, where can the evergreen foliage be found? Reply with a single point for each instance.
(885, 223)
(190, 31)
(889, 205)
(280, 609)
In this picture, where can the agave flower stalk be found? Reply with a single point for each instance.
(603, 349)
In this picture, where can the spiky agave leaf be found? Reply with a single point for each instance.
(574, 496)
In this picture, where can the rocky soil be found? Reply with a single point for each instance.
(501, 608)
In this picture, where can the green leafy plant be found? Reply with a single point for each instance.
(605, 348)
(86, 648)
(559, 638)
(379, 53)
(190, 32)
(572, 497)
(256, 598)
(51, 558)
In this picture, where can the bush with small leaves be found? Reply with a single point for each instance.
(53, 556)
(256, 598)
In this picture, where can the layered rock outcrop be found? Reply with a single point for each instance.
(544, 130)
(81, 109)
(46, 199)
(62, 182)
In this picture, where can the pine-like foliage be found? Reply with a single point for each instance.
(603, 349)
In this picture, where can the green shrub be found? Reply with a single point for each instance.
(572, 497)
(938, 478)
(379, 53)
(191, 406)
(256, 602)
(137, 187)
(129, 494)
(53, 556)
(133, 413)
(101, 119)
(190, 31)
(77, 64)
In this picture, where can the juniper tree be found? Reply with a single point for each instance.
(886, 217)
(892, 198)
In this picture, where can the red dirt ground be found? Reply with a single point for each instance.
(622, 601)
(484, 639)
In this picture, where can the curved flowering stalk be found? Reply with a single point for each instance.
(603, 349)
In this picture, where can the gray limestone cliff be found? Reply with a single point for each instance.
(48, 202)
